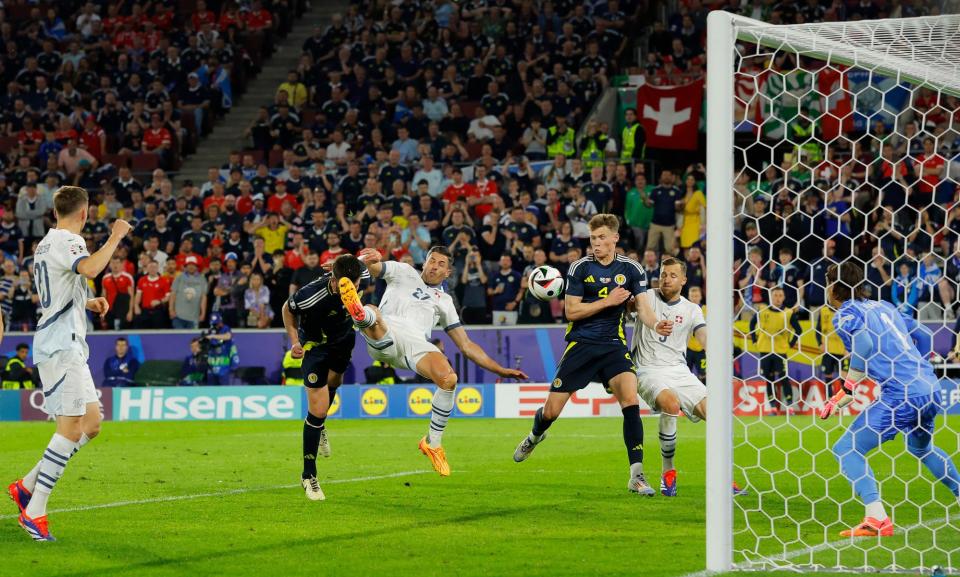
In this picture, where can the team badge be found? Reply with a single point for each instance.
(557, 383)
(312, 378)
(620, 280)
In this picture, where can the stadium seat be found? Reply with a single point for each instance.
(251, 375)
(145, 163)
(275, 159)
(158, 374)
(117, 160)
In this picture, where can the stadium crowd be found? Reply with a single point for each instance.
(409, 124)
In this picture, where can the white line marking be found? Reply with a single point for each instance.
(821, 547)
(225, 493)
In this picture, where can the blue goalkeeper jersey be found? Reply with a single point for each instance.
(889, 347)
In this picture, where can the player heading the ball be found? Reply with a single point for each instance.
(398, 333)
(891, 349)
(62, 266)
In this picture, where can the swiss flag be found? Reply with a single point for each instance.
(671, 114)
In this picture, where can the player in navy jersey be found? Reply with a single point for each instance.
(892, 350)
(321, 333)
(600, 288)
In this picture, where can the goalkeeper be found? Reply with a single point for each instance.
(891, 350)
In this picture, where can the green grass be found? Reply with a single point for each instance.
(566, 511)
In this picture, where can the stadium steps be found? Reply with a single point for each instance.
(228, 135)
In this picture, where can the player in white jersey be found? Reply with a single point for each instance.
(663, 377)
(61, 269)
(398, 333)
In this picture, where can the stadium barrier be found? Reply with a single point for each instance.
(535, 349)
(502, 401)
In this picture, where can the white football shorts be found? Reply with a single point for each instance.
(67, 384)
(652, 381)
(401, 347)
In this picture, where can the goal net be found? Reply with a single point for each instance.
(830, 142)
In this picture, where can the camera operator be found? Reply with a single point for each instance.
(221, 355)
(194, 369)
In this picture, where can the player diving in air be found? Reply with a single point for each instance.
(321, 333)
(663, 376)
(890, 349)
(62, 267)
(599, 289)
(398, 333)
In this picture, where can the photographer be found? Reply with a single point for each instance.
(194, 369)
(474, 281)
(221, 352)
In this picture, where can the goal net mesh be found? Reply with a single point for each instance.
(847, 148)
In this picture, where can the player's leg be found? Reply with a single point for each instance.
(624, 388)
(669, 406)
(919, 439)
(318, 403)
(367, 318)
(785, 386)
(334, 380)
(871, 428)
(577, 367)
(435, 366)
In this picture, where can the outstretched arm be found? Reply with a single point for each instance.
(475, 353)
(93, 265)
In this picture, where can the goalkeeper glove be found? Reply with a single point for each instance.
(841, 399)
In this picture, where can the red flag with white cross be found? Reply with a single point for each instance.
(671, 114)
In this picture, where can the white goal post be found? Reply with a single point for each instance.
(913, 52)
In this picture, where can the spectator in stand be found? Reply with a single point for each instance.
(504, 291)
(666, 201)
(158, 140)
(32, 212)
(256, 301)
(906, 289)
(117, 287)
(150, 301)
(188, 296)
(16, 373)
(120, 369)
(694, 212)
(24, 301)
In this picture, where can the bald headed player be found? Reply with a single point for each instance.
(321, 333)
(599, 289)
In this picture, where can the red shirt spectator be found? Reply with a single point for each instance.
(201, 17)
(230, 18)
(156, 138)
(331, 253)
(276, 201)
(461, 191)
(929, 168)
(257, 19)
(485, 187)
(293, 259)
(25, 136)
(245, 204)
(92, 139)
(154, 291)
(217, 198)
(117, 284)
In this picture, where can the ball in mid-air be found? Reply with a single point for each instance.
(545, 283)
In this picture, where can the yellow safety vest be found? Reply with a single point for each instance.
(386, 380)
(594, 153)
(564, 145)
(13, 362)
(629, 142)
(292, 372)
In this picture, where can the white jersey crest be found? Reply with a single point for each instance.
(649, 349)
(63, 295)
(414, 303)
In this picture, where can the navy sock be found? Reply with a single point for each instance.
(633, 433)
(312, 427)
(540, 425)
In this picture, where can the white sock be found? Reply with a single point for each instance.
(636, 469)
(876, 511)
(369, 318)
(54, 460)
(668, 439)
(442, 407)
(84, 439)
(30, 479)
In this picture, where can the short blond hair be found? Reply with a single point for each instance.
(608, 220)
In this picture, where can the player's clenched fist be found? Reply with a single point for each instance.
(120, 228)
(617, 296)
(296, 351)
(370, 256)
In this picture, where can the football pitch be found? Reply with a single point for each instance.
(222, 498)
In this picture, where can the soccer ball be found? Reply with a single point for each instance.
(545, 283)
